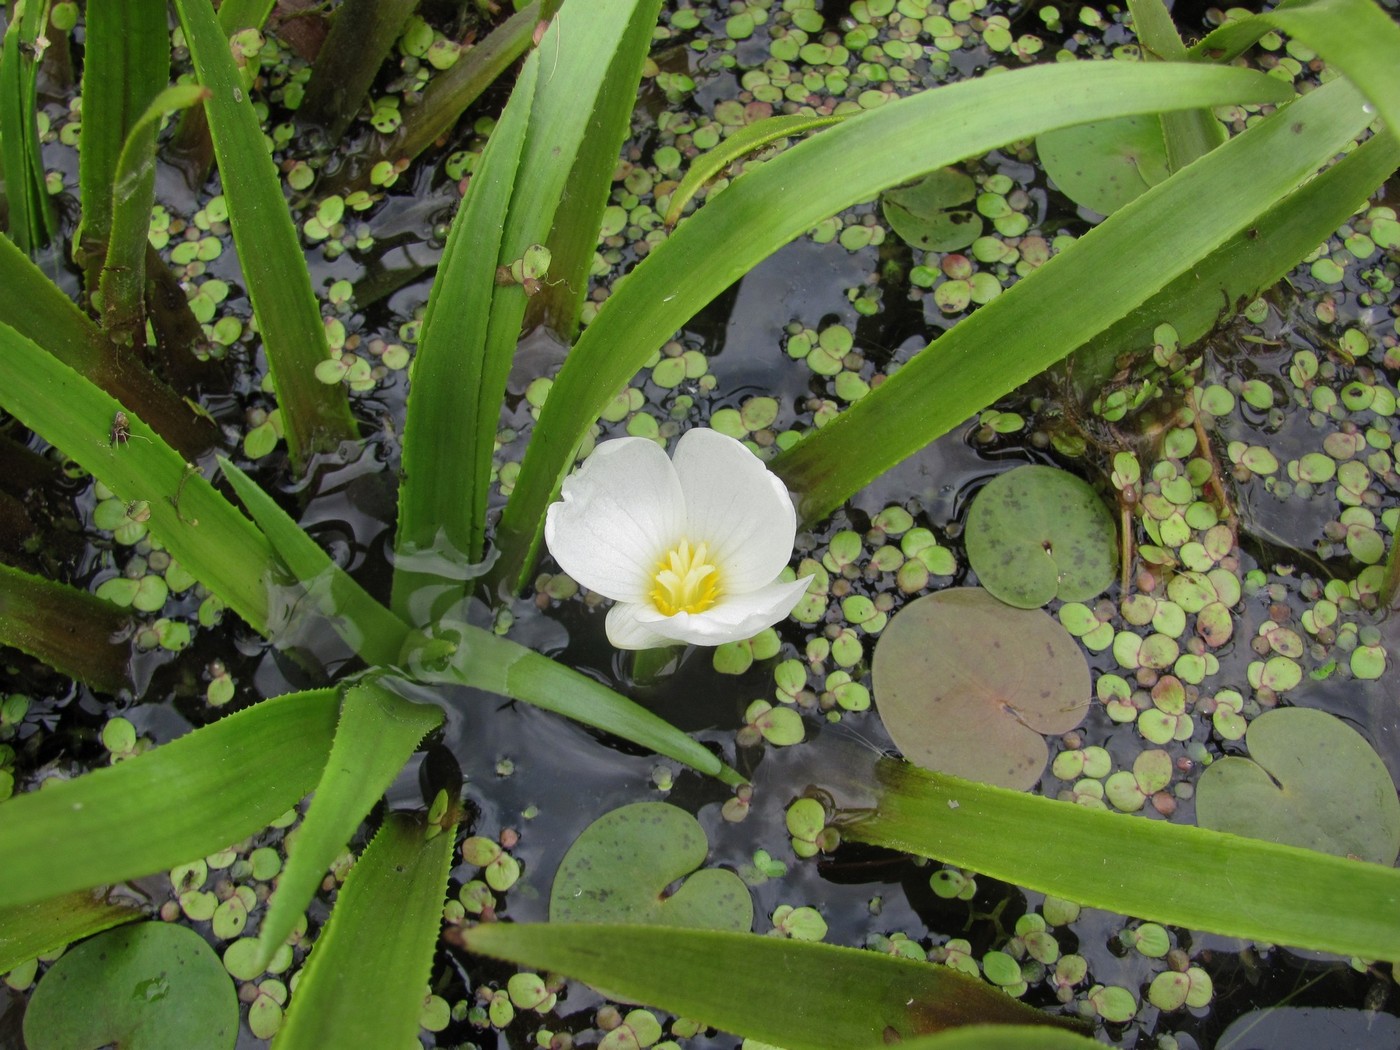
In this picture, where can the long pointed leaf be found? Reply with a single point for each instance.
(30, 930)
(510, 206)
(123, 280)
(70, 630)
(444, 101)
(367, 976)
(1113, 268)
(126, 62)
(1355, 36)
(711, 977)
(1122, 863)
(1251, 261)
(35, 307)
(360, 38)
(500, 666)
(794, 191)
(31, 220)
(377, 733)
(315, 415)
(574, 237)
(188, 798)
(223, 549)
(372, 631)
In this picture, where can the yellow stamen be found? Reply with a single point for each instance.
(686, 580)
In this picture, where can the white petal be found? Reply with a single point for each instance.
(625, 631)
(736, 505)
(734, 618)
(619, 513)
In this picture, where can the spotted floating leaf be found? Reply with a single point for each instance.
(1036, 533)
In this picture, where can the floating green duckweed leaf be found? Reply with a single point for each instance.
(1036, 533)
(1106, 164)
(1311, 781)
(619, 868)
(150, 986)
(968, 686)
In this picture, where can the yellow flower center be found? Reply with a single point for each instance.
(686, 580)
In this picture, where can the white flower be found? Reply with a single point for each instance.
(690, 548)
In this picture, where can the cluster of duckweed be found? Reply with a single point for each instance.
(139, 574)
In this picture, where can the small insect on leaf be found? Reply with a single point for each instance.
(121, 430)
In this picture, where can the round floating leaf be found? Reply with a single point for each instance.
(152, 986)
(967, 685)
(1106, 164)
(619, 869)
(1311, 781)
(1036, 533)
(924, 214)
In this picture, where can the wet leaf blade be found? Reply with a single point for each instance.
(507, 668)
(360, 38)
(1252, 260)
(315, 415)
(190, 797)
(364, 984)
(473, 322)
(126, 63)
(31, 218)
(1123, 261)
(30, 930)
(133, 191)
(1121, 863)
(710, 976)
(38, 310)
(579, 215)
(377, 733)
(1188, 133)
(442, 480)
(68, 629)
(449, 94)
(1355, 36)
(794, 191)
(748, 139)
(204, 531)
(372, 631)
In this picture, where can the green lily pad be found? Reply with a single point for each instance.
(1036, 533)
(1312, 781)
(152, 986)
(620, 868)
(969, 686)
(925, 215)
(1106, 164)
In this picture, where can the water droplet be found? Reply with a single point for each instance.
(1367, 108)
(238, 94)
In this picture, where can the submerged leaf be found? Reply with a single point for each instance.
(619, 868)
(1106, 164)
(1311, 781)
(925, 214)
(1036, 533)
(968, 686)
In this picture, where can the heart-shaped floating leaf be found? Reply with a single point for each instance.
(1312, 781)
(925, 214)
(618, 870)
(152, 986)
(1036, 533)
(1106, 164)
(969, 686)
